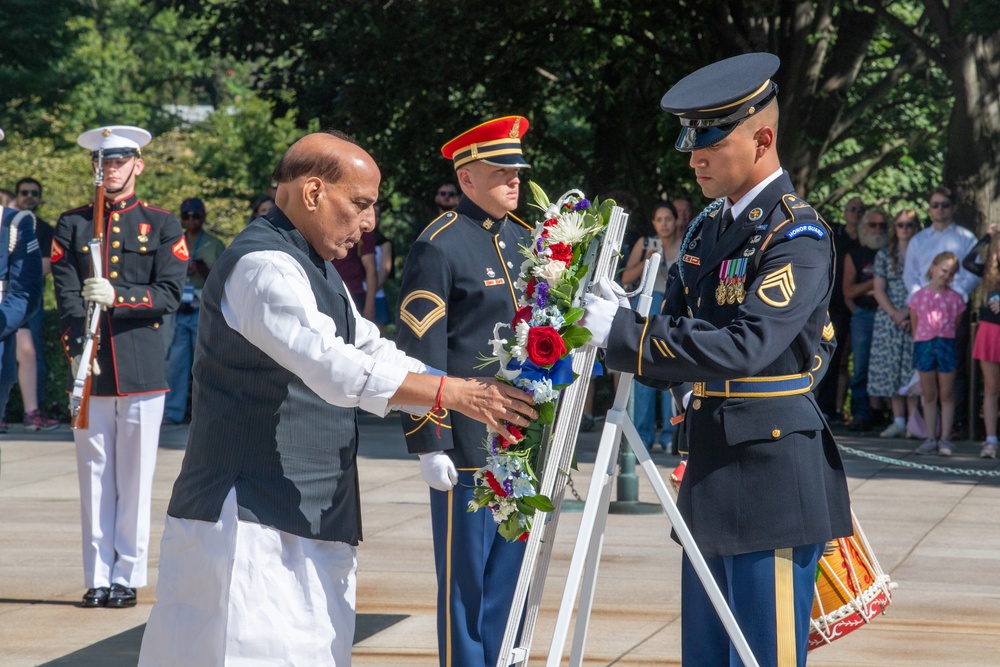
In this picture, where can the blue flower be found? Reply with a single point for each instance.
(582, 205)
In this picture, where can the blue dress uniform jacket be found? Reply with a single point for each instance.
(21, 271)
(145, 258)
(764, 471)
(458, 282)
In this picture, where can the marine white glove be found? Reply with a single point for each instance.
(438, 471)
(95, 369)
(99, 290)
(611, 291)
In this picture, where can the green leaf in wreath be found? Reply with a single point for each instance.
(573, 315)
(575, 336)
(539, 502)
(547, 412)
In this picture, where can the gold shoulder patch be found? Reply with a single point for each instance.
(420, 310)
(438, 224)
(778, 287)
(828, 331)
(519, 221)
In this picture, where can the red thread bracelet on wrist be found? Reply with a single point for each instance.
(438, 411)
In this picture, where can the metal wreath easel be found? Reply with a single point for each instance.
(590, 538)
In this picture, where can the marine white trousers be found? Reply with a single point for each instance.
(115, 460)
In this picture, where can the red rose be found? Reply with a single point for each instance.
(524, 537)
(523, 315)
(529, 290)
(494, 484)
(545, 346)
(551, 222)
(561, 252)
(514, 431)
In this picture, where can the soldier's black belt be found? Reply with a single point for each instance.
(759, 387)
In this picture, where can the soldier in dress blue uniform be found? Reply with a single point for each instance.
(458, 282)
(744, 319)
(145, 263)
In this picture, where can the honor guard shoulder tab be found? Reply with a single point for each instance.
(147, 205)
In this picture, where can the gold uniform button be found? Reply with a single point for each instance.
(121, 299)
(114, 259)
(142, 248)
(156, 325)
(696, 404)
(85, 249)
(116, 244)
(116, 230)
(113, 274)
(776, 433)
(132, 299)
(145, 299)
(116, 217)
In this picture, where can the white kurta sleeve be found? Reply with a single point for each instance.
(268, 299)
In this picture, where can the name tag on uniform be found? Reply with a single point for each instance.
(494, 281)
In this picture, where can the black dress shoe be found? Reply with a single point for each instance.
(121, 596)
(96, 597)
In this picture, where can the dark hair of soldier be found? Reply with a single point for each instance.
(326, 165)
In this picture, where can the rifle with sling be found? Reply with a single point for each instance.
(79, 400)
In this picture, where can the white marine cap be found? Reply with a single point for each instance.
(116, 141)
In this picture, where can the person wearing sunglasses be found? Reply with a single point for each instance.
(204, 249)
(30, 360)
(891, 364)
(446, 197)
(859, 285)
(945, 235)
(145, 258)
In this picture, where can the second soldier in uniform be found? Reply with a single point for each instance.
(145, 261)
(458, 282)
(745, 320)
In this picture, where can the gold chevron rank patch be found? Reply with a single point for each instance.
(778, 287)
(828, 331)
(420, 310)
(661, 346)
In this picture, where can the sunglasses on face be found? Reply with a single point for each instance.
(447, 193)
(877, 225)
(854, 209)
(905, 225)
(940, 204)
(29, 193)
(190, 216)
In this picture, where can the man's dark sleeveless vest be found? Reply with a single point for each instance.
(257, 426)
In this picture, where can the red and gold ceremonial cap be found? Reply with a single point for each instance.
(496, 142)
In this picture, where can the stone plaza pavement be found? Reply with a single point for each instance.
(936, 533)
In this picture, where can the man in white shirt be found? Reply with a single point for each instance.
(258, 558)
(943, 235)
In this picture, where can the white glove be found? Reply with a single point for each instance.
(598, 314)
(438, 471)
(99, 290)
(95, 369)
(611, 291)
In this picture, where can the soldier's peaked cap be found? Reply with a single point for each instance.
(712, 101)
(116, 141)
(496, 142)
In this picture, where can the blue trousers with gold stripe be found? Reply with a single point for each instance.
(771, 595)
(477, 572)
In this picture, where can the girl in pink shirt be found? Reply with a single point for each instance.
(934, 313)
